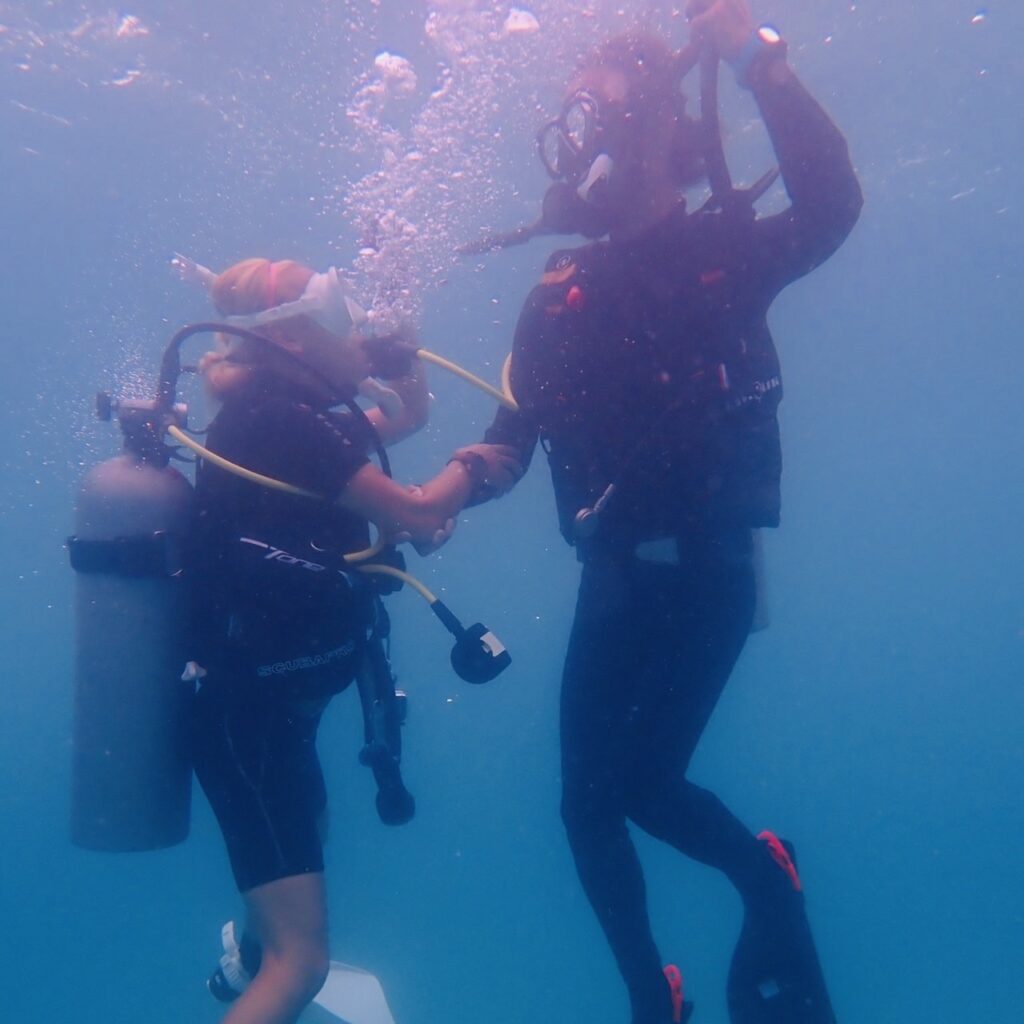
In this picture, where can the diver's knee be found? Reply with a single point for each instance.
(301, 968)
(652, 801)
(308, 972)
(643, 799)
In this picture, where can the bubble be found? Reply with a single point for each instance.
(521, 22)
(446, 141)
(397, 74)
(130, 27)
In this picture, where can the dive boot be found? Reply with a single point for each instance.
(775, 976)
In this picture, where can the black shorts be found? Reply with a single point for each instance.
(254, 752)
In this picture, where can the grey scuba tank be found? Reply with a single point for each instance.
(131, 774)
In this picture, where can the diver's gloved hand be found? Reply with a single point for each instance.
(728, 24)
(494, 469)
(391, 355)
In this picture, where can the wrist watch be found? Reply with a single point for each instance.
(765, 43)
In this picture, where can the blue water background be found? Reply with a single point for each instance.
(878, 722)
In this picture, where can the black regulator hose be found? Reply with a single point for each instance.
(714, 149)
(170, 373)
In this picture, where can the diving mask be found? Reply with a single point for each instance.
(574, 146)
(327, 300)
(567, 145)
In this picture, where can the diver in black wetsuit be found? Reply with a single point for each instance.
(282, 624)
(645, 366)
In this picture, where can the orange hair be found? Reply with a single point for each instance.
(250, 286)
(254, 285)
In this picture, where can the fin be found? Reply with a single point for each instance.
(349, 996)
(682, 1011)
(775, 976)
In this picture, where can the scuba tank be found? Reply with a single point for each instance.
(131, 777)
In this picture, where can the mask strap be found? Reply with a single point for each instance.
(271, 294)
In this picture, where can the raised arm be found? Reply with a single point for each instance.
(825, 197)
(402, 404)
(824, 193)
(398, 386)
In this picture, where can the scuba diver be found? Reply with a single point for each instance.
(273, 607)
(283, 626)
(644, 364)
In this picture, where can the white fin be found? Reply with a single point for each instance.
(349, 996)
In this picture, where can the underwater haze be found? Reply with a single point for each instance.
(879, 721)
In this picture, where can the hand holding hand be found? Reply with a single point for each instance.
(426, 547)
(500, 468)
(727, 24)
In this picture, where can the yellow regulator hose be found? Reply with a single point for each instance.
(357, 558)
(503, 397)
(252, 476)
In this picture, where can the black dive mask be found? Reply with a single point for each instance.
(574, 149)
(570, 143)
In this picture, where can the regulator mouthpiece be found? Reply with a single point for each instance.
(390, 355)
(478, 655)
(597, 176)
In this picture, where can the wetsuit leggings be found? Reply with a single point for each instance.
(254, 753)
(651, 649)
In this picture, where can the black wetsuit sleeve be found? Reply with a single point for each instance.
(520, 429)
(819, 177)
(515, 429)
